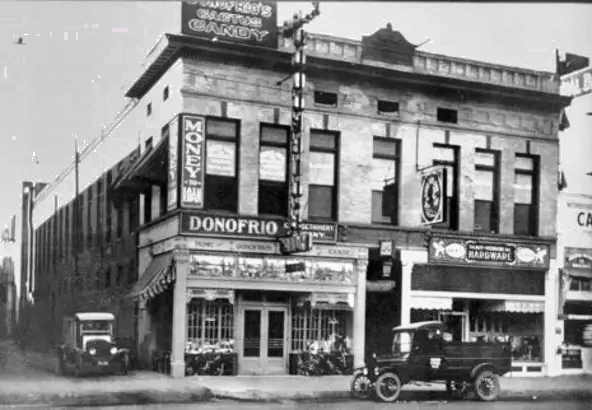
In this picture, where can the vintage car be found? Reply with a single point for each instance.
(88, 346)
(424, 353)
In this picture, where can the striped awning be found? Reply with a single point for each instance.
(431, 303)
(515, 306)
(157, 277)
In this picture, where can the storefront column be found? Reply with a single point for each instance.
(360, 315)
(179, 315)
(552, 339)
(408, 259)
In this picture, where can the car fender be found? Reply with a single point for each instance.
(481, 367)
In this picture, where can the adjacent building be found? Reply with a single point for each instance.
(574, 320)
(430, 187)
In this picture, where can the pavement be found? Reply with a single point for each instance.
(28, 378)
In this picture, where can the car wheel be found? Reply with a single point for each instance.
(361, 387)
(487, 385)
(388, 387)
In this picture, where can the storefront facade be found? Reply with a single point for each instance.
(238, 294)
(575, 289)
(488, 289)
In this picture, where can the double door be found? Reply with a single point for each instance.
(265, 340)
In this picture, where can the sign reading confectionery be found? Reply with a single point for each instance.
(173, 171)
(204, 223)
(433, 195)
(465, 251)
(192, 156)
(247, 22)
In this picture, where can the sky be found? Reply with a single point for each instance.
(80, 56)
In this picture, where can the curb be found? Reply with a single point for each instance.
(406, 396)
(107, 398)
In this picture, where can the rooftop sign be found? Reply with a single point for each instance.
(577, 84)
(247, 22)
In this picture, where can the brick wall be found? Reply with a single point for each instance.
(252, 95)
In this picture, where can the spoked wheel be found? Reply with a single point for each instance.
(457, 389)
(388, 387)
(487, 385)
(361, 387)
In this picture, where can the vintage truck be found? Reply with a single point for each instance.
(88, 346)
(422, 353)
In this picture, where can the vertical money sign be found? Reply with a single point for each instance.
(173, 178)
(192, 171)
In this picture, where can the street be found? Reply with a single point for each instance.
(362, 405)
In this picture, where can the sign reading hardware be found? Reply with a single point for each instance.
(246, 22)
(453, 250)
(192, 153)
(433, 195)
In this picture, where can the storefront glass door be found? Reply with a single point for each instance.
(264, 340)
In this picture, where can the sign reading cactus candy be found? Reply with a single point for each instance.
(477, 252)
(248, 22)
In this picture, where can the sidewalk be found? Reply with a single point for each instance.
(329, 388)
(29, 378)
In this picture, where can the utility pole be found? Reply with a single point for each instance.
(296, 240)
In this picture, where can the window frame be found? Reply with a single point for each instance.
(336, 160)
(286, 183)
(533, 224)
(396, 157)
(237, 141)
(454, 205)
(450, 113)
(495, 203)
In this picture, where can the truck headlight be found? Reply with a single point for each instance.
(92, 352)
(376, 372)
(365, 372)
(113, 350)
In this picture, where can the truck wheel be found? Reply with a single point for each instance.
(487, 385)
(361, 387)
(456, 389)
(388, 387)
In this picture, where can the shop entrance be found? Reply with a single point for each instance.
(265, 340)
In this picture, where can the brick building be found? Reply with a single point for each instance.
(378, 113)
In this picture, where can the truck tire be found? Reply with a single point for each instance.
(388, 387)
(361, 387)
(487, 385)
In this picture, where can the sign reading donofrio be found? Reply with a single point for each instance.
(243, 21)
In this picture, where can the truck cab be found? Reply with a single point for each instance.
(88, 345)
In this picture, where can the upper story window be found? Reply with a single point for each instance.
(326, 99)
(447, 115)
(385, 180)
(388, 107)
(221, 181)
(526, 195)
(273, 170)
(486, 191)
(165, 93)
(322, 181)
(448, 156)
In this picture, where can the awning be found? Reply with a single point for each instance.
(148, 170)
(431, 303)
(157, 277)
(210, 294)
(330, 301)
(515, 306)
